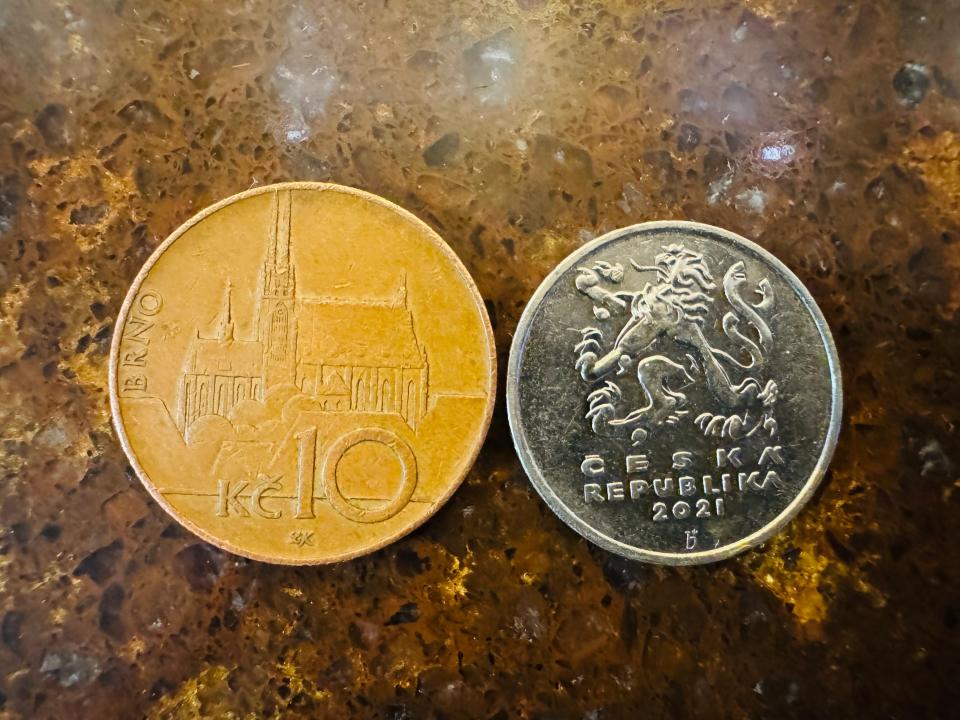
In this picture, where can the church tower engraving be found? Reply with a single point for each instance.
(277, 316)
(320, 345)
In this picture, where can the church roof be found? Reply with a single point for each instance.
(334, 385)
(359, 334)
(211, 356)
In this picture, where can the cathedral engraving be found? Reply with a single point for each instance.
(331, 350)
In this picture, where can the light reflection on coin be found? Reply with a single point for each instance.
(674, 393)
(302, 373)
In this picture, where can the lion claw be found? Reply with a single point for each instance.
(613, 273)
(588, 345)
(715, 426)
(609, 393)
(769, 393)
(732, 427)
(770, 425)
(721, 425)
(599, 415)
(584, 363)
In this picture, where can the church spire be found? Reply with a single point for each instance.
(281, 230)
(278, 273)
(277, 304)
(225, 328)
(400, 299)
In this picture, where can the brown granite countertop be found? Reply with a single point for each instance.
(827, 131)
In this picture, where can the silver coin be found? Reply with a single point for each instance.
(674, 392)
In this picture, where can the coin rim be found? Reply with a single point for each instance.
(546, 492)
(121, 321)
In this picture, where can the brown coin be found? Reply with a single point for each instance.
(302, 373)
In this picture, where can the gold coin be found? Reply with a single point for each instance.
(302, 373)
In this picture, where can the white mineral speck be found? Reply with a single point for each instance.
(752, 200)
(489, 66)
(303, 81)
(629, 197)
(934, 459)
(52, 436)
(782, 152)
(297, 135)
(718, 188)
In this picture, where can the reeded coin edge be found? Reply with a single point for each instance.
(121, 321)
(572, 519)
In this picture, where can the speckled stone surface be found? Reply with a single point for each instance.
(827, 131)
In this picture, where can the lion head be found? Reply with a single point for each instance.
(684, 282)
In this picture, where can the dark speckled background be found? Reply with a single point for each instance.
(828, 131)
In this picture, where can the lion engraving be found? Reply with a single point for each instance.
(660, 339)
